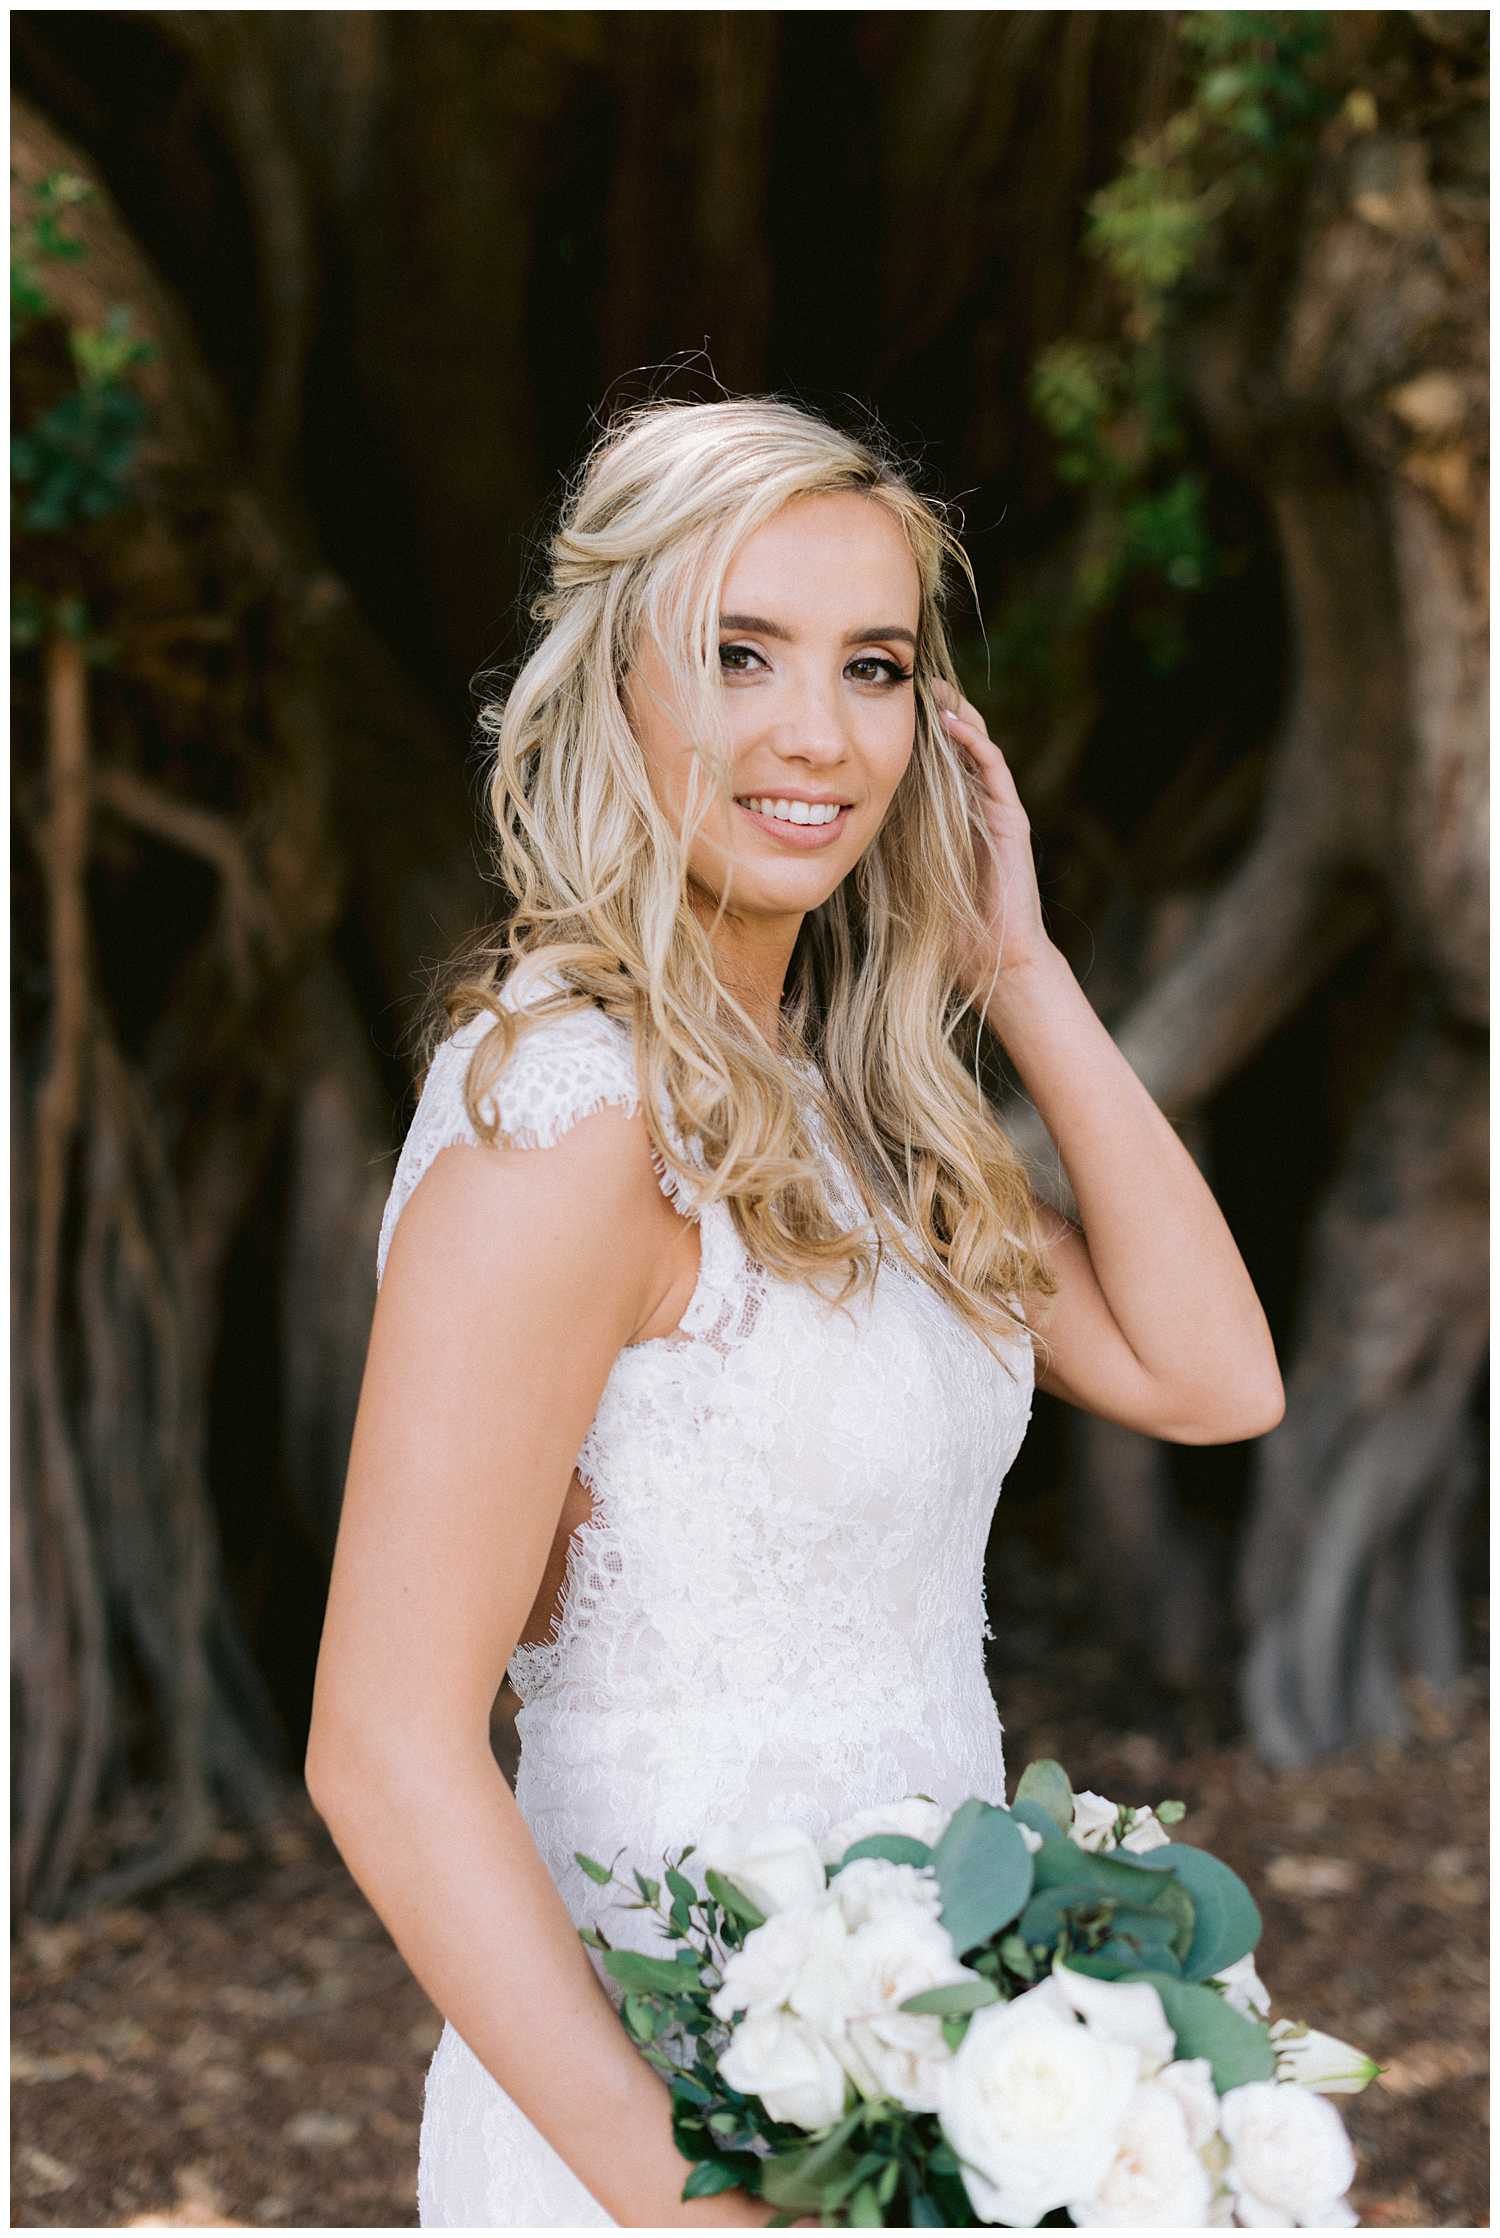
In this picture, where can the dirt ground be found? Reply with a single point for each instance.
(248, 2047)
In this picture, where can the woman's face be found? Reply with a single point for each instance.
(816, 642)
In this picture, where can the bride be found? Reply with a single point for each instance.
(712, 1295)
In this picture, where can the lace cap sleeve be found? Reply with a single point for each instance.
(560, 1071)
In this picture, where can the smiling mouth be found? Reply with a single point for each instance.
(795, 834)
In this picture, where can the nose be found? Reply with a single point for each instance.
(811, 721)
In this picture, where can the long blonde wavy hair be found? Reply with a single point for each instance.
(597, 875)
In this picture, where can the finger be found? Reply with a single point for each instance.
(991, 760)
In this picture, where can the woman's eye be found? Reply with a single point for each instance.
(894, 672)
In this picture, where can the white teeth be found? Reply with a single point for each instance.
(797, 811)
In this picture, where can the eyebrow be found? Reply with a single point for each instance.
(775, 629)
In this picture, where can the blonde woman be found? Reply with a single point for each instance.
(713, 1296)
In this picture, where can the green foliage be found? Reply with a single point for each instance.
(72, 456)
(1253, 101)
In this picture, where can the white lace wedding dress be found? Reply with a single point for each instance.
(778, 1608)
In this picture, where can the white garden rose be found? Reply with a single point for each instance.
(1291, 2157)
(1157, 2176)
(793, 1945)
(1317, 2061)
(783, 2060)
(1123, 2012)
(897, 2055)
(1032, 2102)
(874, 1884)
(774, 1865)
(1191, 2082)
(1244, 1989)
(897, 1953)
(1093, 1819)
(913, 1815)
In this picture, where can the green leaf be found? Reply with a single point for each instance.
(734, 1900)
(1227, 1918)
(1238, 2049)
(886, 2182)
(642, 2018)
(899, 1849)
(1045, 1783)
(681, 1886)
(864, 2210)
(984, 1872)
(595, 1871)
(636, 1971)
(708, 2177)
(650, 1889)
(1017, 1957)
(926, 2214)
(955, 2028)
(951, 1997)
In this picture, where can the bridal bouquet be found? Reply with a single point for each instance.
(1043, 2013)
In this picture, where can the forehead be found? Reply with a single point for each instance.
(821, 558)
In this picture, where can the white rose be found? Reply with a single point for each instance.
(1093, 1819)
(762, 1973)
(913, 1815)
(1191, 2082)
(1032, 2102)
(897, 2055)
(1122, 2012)
(1305, 2055)
(1292, 2160)
(775, 1865)
(1156, 2176)
(1244, 1989)
(899, 1952)
(873, 1884)
(781, 2059)
(1147, 1832)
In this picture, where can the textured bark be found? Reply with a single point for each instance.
(389, 260)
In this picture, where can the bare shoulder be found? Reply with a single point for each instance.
(575, 1225)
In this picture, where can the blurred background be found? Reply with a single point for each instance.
(310, 313)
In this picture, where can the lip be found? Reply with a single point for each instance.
(796, 835)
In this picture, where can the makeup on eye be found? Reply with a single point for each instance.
(895, 673)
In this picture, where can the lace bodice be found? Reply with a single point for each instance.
(777, 1609)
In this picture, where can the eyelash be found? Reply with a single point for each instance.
(895, 673)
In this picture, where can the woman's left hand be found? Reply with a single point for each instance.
(1009, 901)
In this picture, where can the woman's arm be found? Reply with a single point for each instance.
(514, 1278)
(1156, 1323)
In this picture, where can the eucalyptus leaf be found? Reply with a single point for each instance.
(595, 1871)
(1238, 2049)
(899, 1849)
(1228, 1921)
(984, 1872)
(864, 2209)
(1045, 1783)
(681, 1886)
(951, 1997)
